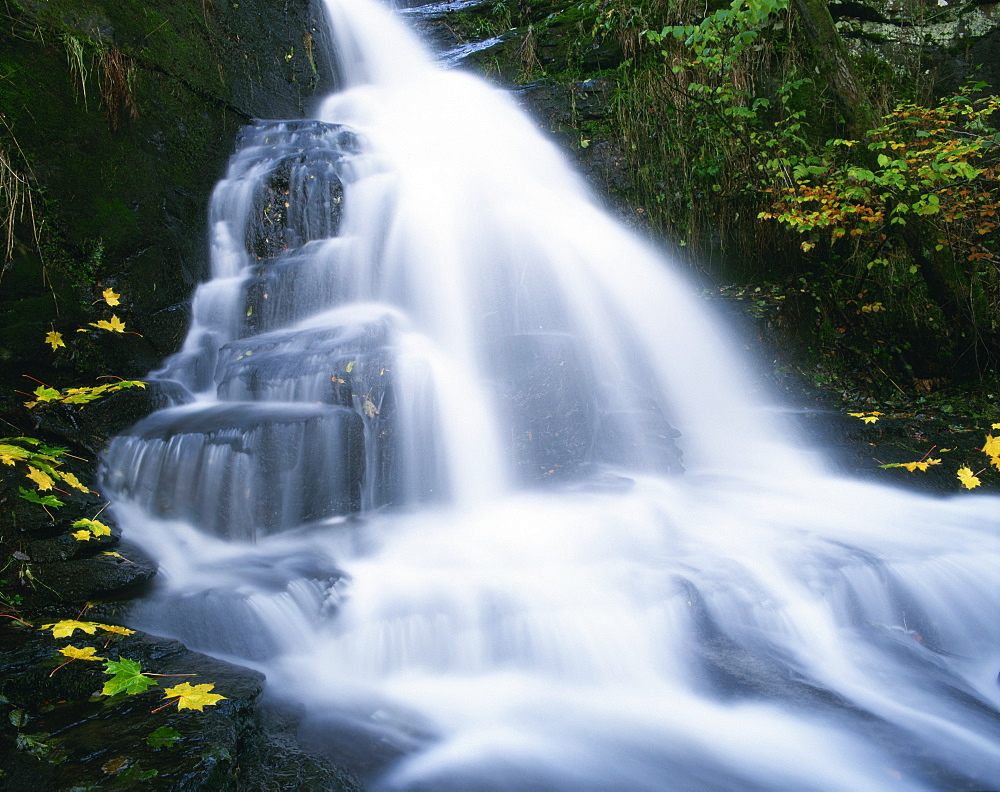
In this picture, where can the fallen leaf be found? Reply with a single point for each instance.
(55, 340)
(75, 483)
(46, 394)
(80, 653)
(194, 697)
(115, 325)
(968, 478)
(96, 527)
(110, 297)
(114, 628)
(42, 480)
(65, 628)
(10, 453)
(127, 677)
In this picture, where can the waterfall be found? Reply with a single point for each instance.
(465, 468)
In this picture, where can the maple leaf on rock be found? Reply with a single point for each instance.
(54, 339)
(66, 627)
(992, 446)
(110, 297)
(8, 453)
(96, 527)
(75, 483)
(80, 653)
(42, 480)
(114, 628)
(126, 677)
(193, 696)
(114, 324)
(968, 478)
(46, 394)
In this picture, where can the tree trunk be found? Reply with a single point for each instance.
(830, 56)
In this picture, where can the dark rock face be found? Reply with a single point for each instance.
(112, 573)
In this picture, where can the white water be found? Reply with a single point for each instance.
(418, 472)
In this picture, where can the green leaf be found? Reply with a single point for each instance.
(43, 500)
(164, 737)
(43, 393)
(96, 527)
(127, 676)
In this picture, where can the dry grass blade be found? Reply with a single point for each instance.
(117, 77)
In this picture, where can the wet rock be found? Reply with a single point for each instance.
(301, 199)
(63, 547)
(108, 574)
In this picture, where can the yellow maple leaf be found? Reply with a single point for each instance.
(82, 535)
(96, 527)
(73, 481)
(66, 627)
(80, 653)
(114, 628)
(54, 339)
(114, 324)
(10, 453)
(995, 426)
(992, 446)
(968, 478)
(42, 480)
(110, 297)
(193, 696)
(995, 461)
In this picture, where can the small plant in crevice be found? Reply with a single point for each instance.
(17, 203)
(116, 73)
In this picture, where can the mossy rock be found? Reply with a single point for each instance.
(124, 148)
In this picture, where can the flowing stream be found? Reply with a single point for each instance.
(469, 473)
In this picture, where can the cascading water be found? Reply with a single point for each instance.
(421, 469)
